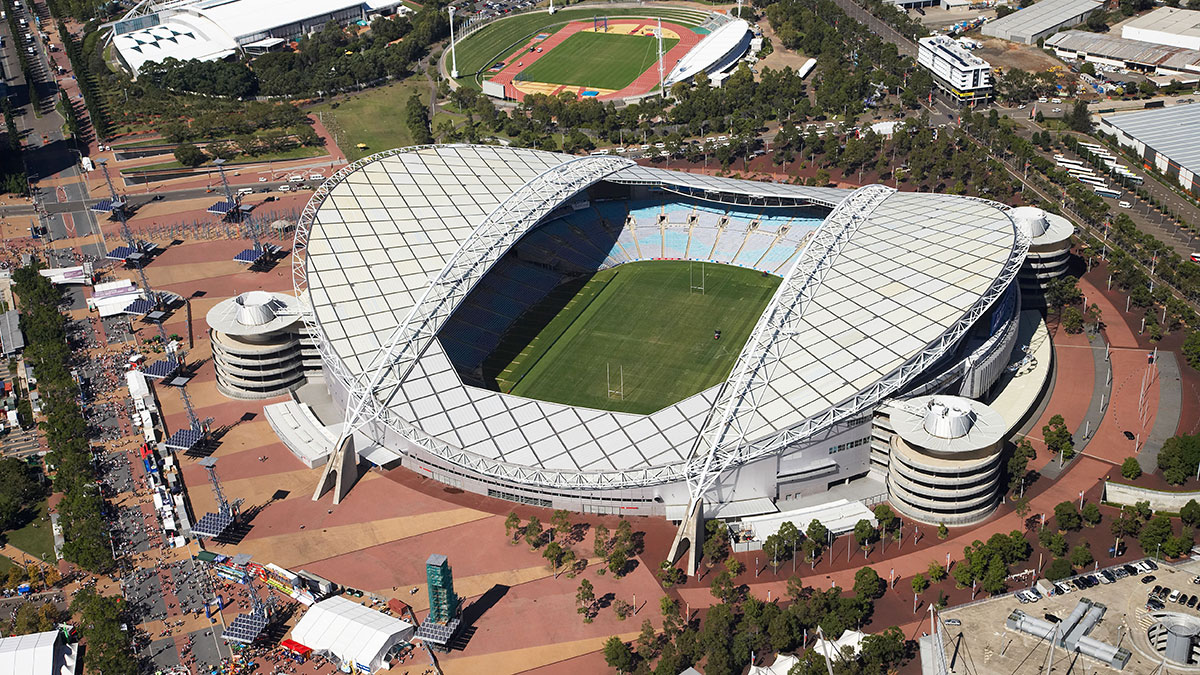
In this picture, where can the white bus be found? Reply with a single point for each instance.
(1105, 192)
(1069, 164)
(1082, 172)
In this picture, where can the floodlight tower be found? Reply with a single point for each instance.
(195, 422)
(453, 58)
(662, 87)
(223, 505)
(118, 207)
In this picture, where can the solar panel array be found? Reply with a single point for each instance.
(108, 205)
(212, 525)
(250, 256)
(140, 306)
(121, 253)
(222, 208)
(438, 633)
(184, 439)
(246, 628)
(160, 369)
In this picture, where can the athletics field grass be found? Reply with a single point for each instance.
(600, 60)
(643, 319)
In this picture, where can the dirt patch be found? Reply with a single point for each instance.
(780, 58)
(1012, 55)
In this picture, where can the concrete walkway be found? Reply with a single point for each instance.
(1101, 395)
(1166, 419)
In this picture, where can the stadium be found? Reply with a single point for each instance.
(591, 334)
(599, 52)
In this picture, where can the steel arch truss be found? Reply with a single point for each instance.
(722, 441)
(370, 391)
(722, 444)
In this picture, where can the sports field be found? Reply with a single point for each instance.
(600, 60)
(642, 320)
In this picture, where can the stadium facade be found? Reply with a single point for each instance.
(415, 261)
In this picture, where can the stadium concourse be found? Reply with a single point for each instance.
(424, 279)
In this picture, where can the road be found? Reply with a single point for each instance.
(905, 46)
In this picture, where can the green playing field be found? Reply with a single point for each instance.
(645, 322)
(601, 60)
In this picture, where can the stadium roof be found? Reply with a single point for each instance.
(350, 631)
(184, 37)
(908, 272)
(1171, 132)
(710, 51)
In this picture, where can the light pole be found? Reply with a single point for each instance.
(453, 58)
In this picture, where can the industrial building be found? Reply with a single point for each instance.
(1171, 63)
(1164, 139)
(958, 73)
(1168, 26)
(215, 29)
(1041, 20)
(260, 345)
(1072, 633)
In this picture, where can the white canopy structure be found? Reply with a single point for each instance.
(351, 633)
(36, 654)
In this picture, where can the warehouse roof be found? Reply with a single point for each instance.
(1039, 17)
(1167, 20)
(1169, 131)
(1124, 49)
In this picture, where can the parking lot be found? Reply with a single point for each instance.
(978, 632)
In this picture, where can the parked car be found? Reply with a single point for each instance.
(1106, 577)
(953, 622)
(1148, 562)
(1154, 605)
(1192, 601)
(1148, 578)
(1051, 618)
(1130, 569)
(1173, 596)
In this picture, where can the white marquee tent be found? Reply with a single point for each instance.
(350, 632)
(36, 654)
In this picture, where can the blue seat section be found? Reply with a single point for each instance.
(628, 245)
(755, 246)
(645, 212)
(774, 259)
(702, 242)
(675, 242)
(613, 212)
(677, 212)
(650, 241)
(707, 217)
(728, 244)
(772, 223)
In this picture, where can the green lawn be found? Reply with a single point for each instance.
(374, 118)
(643, 319)
(293, 153)
(480, 49)
(5, 565)
(601, 60)
(35, 540)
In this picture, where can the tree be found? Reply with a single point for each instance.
(864, 533)
(722, 586)
(1191, 349)
(994, 577)
(1154, 533)
(936, 572)
(882, 652)
(1091, 514)
(1190, 513)
(818, 534)
(1059, 568)
(1058, 438)
(647, 641)
(1072, 320)
(622, 609)
(1179, 458)
(716, 544)
(512, 524)
(600, 541)
(1055, 542)
(1130, 468)
(553, 554)
(585, 595)
(919, 583)
(1081, 555)
(942, 531)
(533, 532)
(1067, 516)
(562, 522)
(887, 518)
(867, 584)
(189, 155)
(618, 655)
